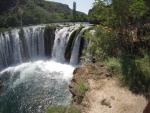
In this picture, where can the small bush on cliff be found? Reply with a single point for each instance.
(81, 88)
(64, 109)
(56, 109)
(72, 109)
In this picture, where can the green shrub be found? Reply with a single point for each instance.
(2, 30)
(133, 73)
(56, 109)
(12, 21)
(105, 43)
(72, 109)
(81, 88)
(64, 109)
(113, 64)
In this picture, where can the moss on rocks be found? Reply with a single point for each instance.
(71, 42)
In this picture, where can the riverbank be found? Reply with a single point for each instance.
(96, 90)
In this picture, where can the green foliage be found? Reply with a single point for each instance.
(2, 30)
(69, 45)
(52, 26)
(74, 11)
(96, 15)
(105, 42)
(72, 109)
(125, 57)
(134, 73)
(57, 109)
(81, 88)
(130, 61)
(27, 12)
(113, 64)
(118, 14)
(77, 32)
(138, 9)
(64, 109)
(2, 21)
(11, 21)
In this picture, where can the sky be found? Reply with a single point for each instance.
(81, 5)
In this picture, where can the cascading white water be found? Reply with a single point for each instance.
(75, 52)
(34, 86)
(34, 38)
(16, 49)
(9, 48)
(60, 43)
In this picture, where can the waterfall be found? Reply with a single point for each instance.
(10, 48)
(18, 45)
(75, 52)
(34, 40)
(32, 86)
(60, 43)
(28, 43)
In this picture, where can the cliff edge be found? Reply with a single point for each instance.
(96, 90)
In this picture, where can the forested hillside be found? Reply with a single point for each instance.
(25, 12)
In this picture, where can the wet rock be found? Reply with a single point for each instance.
(72, 88)
(1, 85)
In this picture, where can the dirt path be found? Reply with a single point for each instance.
(115, 99)
(105, 95)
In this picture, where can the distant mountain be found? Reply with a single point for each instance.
(16, 12)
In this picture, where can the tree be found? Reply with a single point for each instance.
(96, 14)
(74, 11)
(138, 9)
(11, 21)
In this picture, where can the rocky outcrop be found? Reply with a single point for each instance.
(104, 91)
(80, 79)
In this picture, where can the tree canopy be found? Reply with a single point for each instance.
(119, 12)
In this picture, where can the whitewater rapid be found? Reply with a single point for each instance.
(35, 86)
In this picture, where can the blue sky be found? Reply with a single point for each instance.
(81, 5)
